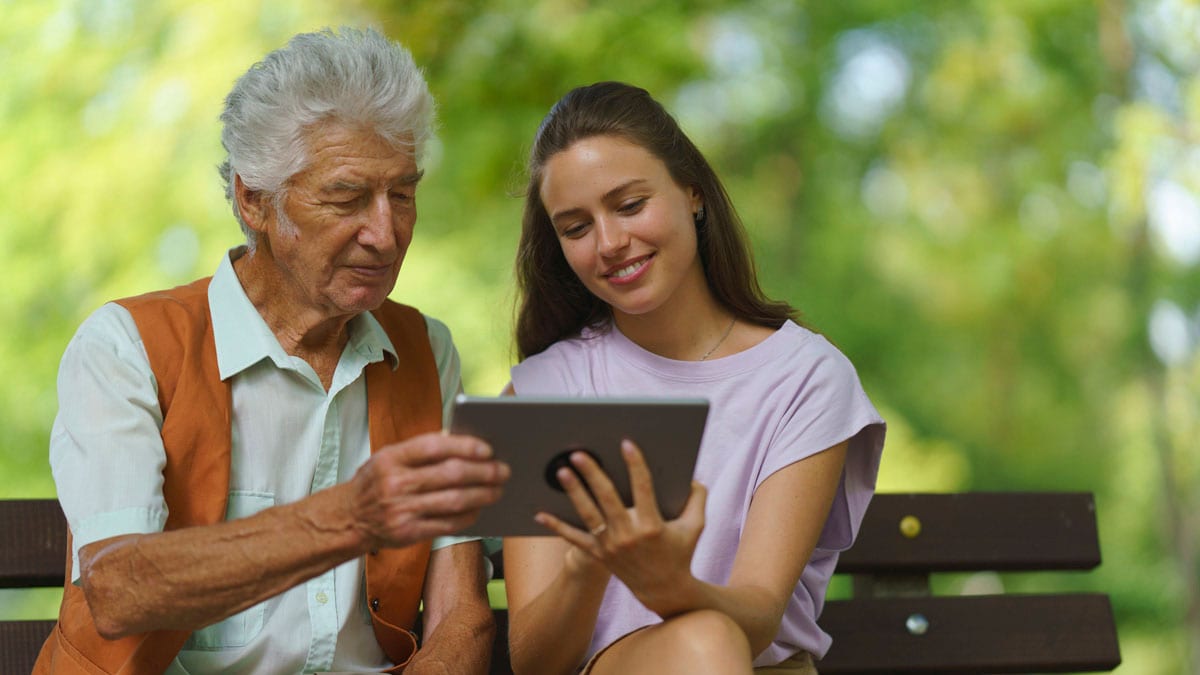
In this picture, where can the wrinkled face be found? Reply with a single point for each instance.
(346, 220)
(625, 226)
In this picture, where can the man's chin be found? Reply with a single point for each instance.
(363, 300)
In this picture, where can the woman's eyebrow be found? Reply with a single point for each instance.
(607, 196)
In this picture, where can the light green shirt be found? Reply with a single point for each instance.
(290, 436)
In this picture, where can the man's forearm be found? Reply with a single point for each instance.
(459, 628)
(190, 578)
(460, 644)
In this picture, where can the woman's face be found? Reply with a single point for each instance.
(626, 227)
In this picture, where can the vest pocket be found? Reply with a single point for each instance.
(241, 628)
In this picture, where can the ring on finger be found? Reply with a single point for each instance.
(599, 529)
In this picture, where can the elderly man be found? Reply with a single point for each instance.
(252, 465)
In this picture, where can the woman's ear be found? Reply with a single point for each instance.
(252, 205)
(697, 198)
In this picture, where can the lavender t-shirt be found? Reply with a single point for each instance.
(789, 397)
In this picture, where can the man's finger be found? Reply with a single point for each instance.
(434, 447)
(447, 474)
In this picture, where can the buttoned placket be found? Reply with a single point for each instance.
(320, 591)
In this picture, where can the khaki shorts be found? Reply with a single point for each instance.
(798, 664)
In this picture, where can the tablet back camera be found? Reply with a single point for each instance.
(563, 459)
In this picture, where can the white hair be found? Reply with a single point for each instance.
(355, 77)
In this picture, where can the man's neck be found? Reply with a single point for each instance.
(302, 328)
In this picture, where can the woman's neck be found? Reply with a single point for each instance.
(688, 327)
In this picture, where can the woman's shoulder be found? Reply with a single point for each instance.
(808, 355)
(558, 368)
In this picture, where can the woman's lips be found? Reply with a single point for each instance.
(630, 271)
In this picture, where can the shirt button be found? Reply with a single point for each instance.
(375, 604)
(322, 598)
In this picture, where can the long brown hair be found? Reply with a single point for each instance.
(552, 302)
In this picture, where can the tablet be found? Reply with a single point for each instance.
(534, 436)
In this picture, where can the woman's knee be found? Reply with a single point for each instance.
(709, 635)
(703, 641)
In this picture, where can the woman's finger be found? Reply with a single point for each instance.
(693, 510)
(641, 483)
(603, 491)
(573, 535)
(581, 498)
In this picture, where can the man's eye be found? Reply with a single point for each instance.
(347, 204)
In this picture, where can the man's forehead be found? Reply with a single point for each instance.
(356, 145)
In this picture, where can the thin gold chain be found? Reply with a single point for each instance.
(720, 342)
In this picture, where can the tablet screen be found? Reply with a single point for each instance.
(534, 435)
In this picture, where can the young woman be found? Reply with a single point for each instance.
(635, 278)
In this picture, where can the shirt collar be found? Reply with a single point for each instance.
(243, 338)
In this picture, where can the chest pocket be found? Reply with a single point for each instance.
(241, 628)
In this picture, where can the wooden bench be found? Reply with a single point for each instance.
(893, 623)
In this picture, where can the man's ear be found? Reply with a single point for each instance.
(252, 204)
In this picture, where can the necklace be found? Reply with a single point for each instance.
(721, 341)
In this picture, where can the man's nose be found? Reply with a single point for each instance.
(379, 230)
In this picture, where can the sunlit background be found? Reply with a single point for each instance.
(992, 207)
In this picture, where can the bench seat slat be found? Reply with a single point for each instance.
(1000, 531)
(972, 634)
(20, 642)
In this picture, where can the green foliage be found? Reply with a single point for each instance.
(961, 195)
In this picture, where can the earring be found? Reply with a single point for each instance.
(698, 216)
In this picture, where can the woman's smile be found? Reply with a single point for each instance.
(629, 272)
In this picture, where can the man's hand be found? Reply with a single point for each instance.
(428, 486)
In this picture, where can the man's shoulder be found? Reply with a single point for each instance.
(191, 295)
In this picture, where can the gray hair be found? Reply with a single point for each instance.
(356, 77)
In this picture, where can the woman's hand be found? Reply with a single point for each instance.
(651, 556)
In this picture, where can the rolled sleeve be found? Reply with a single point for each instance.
(106, 451)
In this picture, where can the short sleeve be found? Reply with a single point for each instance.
(829, 407)
(545, 373)
(107, 434)
(449, 367)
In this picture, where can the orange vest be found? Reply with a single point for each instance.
(177, 332)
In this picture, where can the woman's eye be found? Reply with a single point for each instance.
(632, 206)
(574, 231)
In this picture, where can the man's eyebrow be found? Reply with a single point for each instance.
(410, 178)
(343, 186)
(351, 186)
(604, 198)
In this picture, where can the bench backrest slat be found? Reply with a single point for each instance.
(33, 536)
(1000, 531)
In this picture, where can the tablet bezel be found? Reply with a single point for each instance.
(527, 432)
